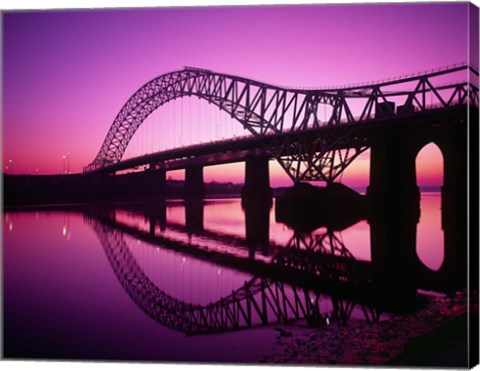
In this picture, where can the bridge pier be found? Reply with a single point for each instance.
(194, 187)
(257, 201)
(257, 178)
(453, 143)
(393, 189)
(394, 199)
(156, 181)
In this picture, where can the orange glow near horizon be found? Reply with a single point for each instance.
(429, 165)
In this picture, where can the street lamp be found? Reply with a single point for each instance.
(63, 163)
(10, 166)
(68, 162)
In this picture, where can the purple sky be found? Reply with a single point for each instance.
(66, 74)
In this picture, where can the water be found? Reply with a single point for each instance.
(88, 283)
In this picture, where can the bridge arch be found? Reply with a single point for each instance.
(430, 244)
(247, 101)
(266, 111)
(452, 141)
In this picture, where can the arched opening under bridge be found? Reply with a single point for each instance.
(430, 245)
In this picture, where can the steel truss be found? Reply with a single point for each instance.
(264, 109)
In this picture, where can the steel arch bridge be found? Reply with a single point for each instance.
(266, 110)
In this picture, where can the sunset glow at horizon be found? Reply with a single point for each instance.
(66, 74)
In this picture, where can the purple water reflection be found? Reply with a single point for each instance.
(63, 300)
(227, 217)
(187, 279)
(430, 243)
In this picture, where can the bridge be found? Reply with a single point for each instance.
(394, 118)
(286, 124)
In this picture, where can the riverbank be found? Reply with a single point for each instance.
(32, 190)
(386, 343)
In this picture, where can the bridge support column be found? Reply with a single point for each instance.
(455, 204)
(393, 186)
(156, 180)
(194, 187)
(394, 213)
(257, 177)
(257, 201)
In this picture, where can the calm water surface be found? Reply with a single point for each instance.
(86, 283)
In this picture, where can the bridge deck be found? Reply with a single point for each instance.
(236, 149)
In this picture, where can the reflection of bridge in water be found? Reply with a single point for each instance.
(390, 252)
(260, 301)
(254, 248)
(289, 281)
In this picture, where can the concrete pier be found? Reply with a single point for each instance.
(156, 182)
(194, 186)
(257, 177)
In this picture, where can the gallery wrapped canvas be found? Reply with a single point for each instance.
(257, 184)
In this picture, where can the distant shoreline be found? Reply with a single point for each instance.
(77, 188)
